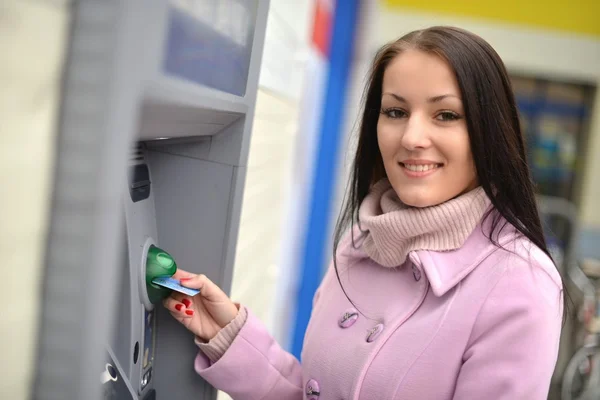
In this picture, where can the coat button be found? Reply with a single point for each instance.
(374, 333)
(416, 273)
(312, 390)
(348, 319)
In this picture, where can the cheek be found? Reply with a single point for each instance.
(460, 153)
(468, 155)
(386, 139)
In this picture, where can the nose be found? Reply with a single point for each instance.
(415, 135)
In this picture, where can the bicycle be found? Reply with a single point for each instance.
(581, 378)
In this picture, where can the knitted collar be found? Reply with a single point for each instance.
(395, 229)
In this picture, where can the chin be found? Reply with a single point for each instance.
(419, 200)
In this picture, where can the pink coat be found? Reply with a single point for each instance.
(474, 323)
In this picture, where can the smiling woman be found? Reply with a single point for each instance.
(440, 162)
(442, 288)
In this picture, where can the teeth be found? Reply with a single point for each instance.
(420, 168)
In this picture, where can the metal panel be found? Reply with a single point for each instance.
(192, 200)
(96, 120)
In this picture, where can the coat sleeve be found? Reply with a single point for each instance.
(513, 347)
(254, 367)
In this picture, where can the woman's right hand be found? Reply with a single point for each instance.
(204, 314)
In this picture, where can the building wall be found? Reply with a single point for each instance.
(30, 31)
(269, 171)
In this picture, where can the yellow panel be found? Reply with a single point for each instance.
(577, 16)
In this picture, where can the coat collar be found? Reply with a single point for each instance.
(445, 269)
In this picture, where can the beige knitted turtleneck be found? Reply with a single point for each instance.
(395, 229)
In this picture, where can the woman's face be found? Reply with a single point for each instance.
(422, 132)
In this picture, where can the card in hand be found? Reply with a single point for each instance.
(173, 284)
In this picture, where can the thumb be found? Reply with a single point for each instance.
(180, 273)
(207, 288)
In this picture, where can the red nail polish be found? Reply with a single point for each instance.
(185, 279)
(186, 302)
(189, 312)
(178, 307)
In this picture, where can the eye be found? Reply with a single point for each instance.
(446, 116)
(394, 113)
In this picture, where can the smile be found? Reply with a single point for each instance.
(420, 170)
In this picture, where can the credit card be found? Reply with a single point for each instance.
(173, 284)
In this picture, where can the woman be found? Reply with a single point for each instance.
(444, 288)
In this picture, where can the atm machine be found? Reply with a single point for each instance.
(184, 182)
(176, 84)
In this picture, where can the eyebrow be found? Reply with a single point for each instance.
(434, 99)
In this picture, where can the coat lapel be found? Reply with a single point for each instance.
(445, 269)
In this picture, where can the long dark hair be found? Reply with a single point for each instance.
(493, 124)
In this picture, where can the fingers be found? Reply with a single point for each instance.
(182, 309)
(184, 299)
(187, 303)
(207, 288)
(179, 296)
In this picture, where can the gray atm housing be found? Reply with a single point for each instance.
(169, 85)
(193, 135)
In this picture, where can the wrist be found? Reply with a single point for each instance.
(235, 310)
(220, 343)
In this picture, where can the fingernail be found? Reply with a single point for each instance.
(186, 302)
(189, 312)
(184, 279)
(178, 307)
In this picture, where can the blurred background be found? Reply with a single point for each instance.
(305, 118)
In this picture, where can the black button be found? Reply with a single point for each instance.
(136, 352)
